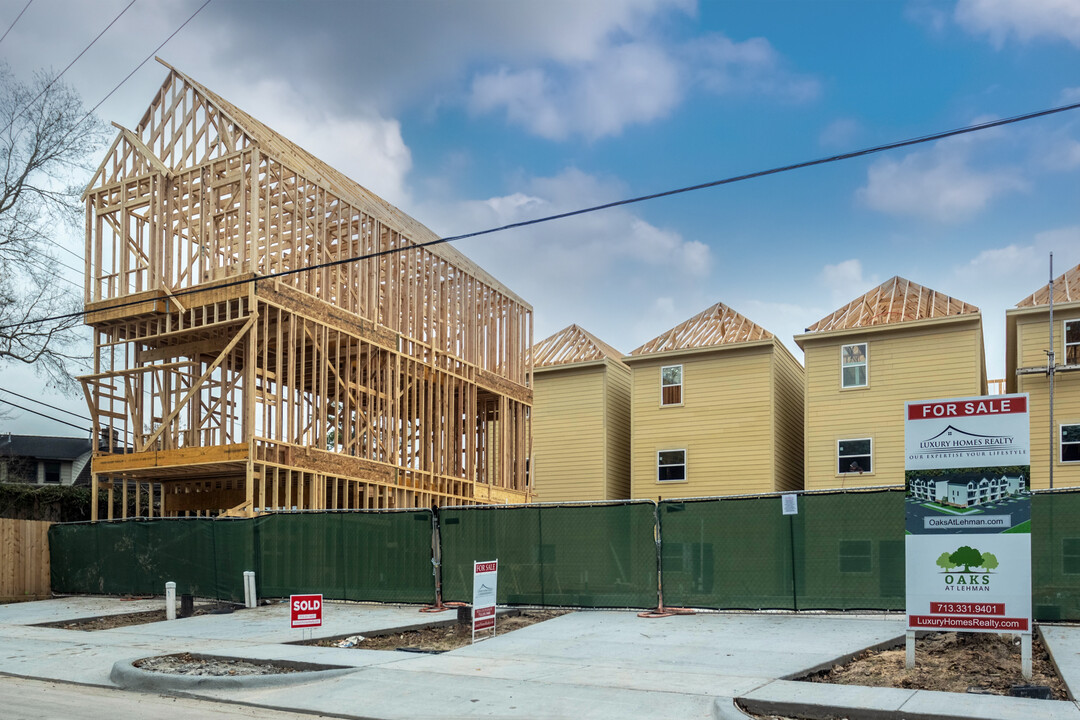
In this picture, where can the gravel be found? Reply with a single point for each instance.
(188, 664)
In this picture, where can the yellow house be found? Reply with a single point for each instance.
(1027, 340)
(898, 342)
(581, 419)
(717, 410)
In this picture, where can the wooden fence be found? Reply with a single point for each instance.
(24, 559)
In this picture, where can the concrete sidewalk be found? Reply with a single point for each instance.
(595, 664)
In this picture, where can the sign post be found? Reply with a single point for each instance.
(305, 611)
(968, 517)
(485, 585)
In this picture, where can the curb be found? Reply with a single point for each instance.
(125, 675)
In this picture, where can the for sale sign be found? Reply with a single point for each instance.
(305, 610)
(485, 586)
(968, 514)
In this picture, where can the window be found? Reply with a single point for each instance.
(855, 556)
(853, 456)
(1072, 342)
(1070, 443)
(52, 473)
(671, 465)
(853, 365)
(671, 385)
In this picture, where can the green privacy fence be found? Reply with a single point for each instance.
(202, 556)
(373, 556)
(841, 550)
(838, 551)
(573, 555)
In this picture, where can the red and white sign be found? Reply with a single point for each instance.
(485, 590)
(305, 610)
(974, 407)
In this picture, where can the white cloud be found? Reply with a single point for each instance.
(753, 66)
(938, 184)
(1026, 19)
(845, 282)
(611, 271)
(364, 146)
(840, 133)
(1068, 96)
(631, 84)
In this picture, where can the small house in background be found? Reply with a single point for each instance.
(1027, 338)
(581, 419)
(717, 410)
(44, 460)
(898, 342)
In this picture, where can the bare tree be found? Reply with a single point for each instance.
(46, 138)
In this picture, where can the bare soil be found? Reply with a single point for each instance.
(951, 662)
(438, 639)
(108, 622)
(188, 664)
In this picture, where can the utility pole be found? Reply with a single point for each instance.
(1051, 363)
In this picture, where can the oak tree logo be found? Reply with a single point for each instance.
(959, 568)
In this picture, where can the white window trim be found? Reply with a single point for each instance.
(865, 364)
(1064, 335)
(855, 439)
(684, 463)
(1062, 444)
(681, 385)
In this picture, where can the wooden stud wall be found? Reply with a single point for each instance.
(397, 380)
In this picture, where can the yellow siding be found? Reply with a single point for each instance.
(912, 362)
(724, 424)
(617, 421)
(1032, 339)
(788, 398)
(568, 434)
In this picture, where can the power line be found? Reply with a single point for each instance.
(137, 67)
(44, 415)
(28, 2)
(595, 208)
(41, 402)
(53, 81)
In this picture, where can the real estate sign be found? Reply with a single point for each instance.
(968, 514)
(485, 586)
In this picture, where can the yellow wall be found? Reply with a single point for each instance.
(581, 433)
(725, 424)
(920, 360)
(788, 419)
(1032, 338)
(617, 426)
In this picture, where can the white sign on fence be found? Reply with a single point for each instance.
(485, 587)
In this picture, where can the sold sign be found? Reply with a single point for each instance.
(306, 610)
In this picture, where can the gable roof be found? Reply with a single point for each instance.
(318, 171)
(896, 300)
(712, 327)
(43, 447)
(572, 344)
(1066, 289)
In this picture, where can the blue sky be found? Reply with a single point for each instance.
(474, 114)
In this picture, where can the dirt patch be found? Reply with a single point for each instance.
(437, 639)
(188, 664)
(108, 622)
(952, 662)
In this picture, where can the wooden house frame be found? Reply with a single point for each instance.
(229, 378)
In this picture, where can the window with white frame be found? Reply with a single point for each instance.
(854, 456)
(853, 365)
(670, 465)
(671, 385)
(1070, 443)
(1072, 342)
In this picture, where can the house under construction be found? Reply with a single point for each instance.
(268, 334)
